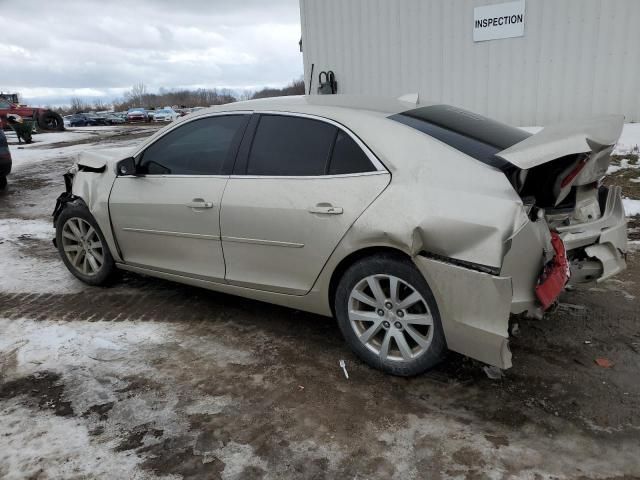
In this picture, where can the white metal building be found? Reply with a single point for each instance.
(565, 59)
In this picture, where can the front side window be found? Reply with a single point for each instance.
(290, 146)
(195, 148)
(4, 104)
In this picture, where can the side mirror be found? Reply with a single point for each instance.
(126, 167)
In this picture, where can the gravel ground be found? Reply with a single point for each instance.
(148, 379)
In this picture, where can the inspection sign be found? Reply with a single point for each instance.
(501, 20)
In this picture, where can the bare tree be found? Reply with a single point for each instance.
(98, 104)
(78, 105)
(137, 94)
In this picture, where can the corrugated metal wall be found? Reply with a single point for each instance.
(577, 57)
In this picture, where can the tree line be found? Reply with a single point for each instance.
(139, 96)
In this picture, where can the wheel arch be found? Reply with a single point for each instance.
(354, 257)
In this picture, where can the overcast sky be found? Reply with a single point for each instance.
(51, 50)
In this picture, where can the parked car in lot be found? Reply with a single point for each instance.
(5, 160)
(86, 119)
(111, 119)
(137, 115)
(421, 227)
(165, 115)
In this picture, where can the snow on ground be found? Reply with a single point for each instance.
(24, 272)
(68, 135)
(631, 206)
(629, 141)
(44, 147)
(625, 164)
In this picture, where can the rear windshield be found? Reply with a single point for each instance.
(472, 134)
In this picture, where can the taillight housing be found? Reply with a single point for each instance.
(574, 173)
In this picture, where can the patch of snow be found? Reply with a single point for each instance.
(236, 458)
(629, 141)
(631, 206)
(624, 165)
(58, 448)
(26, 156)
(23, 271)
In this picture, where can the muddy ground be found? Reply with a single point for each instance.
(149, 379)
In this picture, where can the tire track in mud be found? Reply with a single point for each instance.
(109, 306)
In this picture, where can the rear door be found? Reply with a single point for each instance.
(297, 188)
(167, 217)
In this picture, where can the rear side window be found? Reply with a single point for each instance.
(195, 148)
(290, 146)
(348, 157)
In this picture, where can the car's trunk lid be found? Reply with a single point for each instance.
(564, 156)
(564, 139)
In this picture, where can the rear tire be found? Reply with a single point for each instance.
(389, 317)
(51, 121)
(82, 246)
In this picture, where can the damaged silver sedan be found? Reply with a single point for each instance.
(420, 227)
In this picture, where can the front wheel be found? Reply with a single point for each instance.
(82, 246)
(389, 317)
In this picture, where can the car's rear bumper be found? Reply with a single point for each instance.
(597, 249)
(474, 309)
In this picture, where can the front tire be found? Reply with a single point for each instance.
(389, 317)
(82, 246)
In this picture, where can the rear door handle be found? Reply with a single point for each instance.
(326, 209)
(199, 203)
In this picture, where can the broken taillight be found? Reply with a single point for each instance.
(574, 173)
(555, 275)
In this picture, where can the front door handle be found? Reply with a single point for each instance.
(199, 203)
(326, 209)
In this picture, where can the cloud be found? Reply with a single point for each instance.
(54, 50)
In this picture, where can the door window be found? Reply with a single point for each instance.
(196, 148)
(296, 146)
(290, 146)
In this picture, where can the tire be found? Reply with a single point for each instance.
(390, 318)
(74, 219)
(50, 121)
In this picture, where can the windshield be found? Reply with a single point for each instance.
(472, 134)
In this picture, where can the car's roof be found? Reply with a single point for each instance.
(321, 104)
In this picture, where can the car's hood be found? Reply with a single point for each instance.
(564, 139)
(103, 158)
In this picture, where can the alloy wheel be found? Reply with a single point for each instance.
(390, 317)
(82, 246)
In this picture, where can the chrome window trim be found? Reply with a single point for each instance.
(163, 175)
(311, 177)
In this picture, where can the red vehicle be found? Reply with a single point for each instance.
(47, 119)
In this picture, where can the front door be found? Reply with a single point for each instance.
(167, 216)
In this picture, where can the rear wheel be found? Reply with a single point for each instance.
(82, 246)
(50, 121)
(389, 317)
